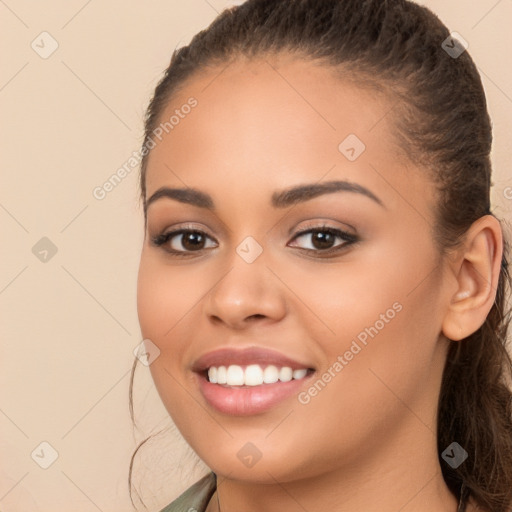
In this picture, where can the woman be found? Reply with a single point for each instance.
(322, 280)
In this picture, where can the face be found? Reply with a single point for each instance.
(345, 282)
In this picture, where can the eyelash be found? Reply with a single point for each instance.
(348, 238)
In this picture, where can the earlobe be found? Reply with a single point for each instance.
(477, 271)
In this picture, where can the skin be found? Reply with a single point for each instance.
(367, 440)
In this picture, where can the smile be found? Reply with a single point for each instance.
(251, 380)
(253, 374)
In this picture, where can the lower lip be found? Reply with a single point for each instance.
(245, 401)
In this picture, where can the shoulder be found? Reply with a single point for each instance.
(196, 497)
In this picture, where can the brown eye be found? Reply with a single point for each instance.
(324, 238)
(192, 241)
(182, 241)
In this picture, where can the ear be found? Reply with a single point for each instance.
(476, 270)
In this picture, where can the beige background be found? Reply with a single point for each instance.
(69, 325)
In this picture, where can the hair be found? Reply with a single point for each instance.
(441, 123)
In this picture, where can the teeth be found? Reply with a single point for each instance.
(270, 375)
(212, 375)
(221, 375)
(285, 374)
(235, 375)
(253, 375)
(299, 374)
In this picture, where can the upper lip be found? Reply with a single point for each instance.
(252, 355)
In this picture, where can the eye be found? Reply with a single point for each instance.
(182, 240)
(323, 237)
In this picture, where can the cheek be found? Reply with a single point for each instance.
(385, 301)
(380, 358)
(339, 301)
(165, 296)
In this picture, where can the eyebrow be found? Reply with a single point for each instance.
(280, 199)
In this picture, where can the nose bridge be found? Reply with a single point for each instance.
(246, 288)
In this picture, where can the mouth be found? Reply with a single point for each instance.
(251, 375)
(250, 381)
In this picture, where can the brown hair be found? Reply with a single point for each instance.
(442, 124)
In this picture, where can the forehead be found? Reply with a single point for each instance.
(273, 121)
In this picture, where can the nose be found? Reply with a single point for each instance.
(245, 293)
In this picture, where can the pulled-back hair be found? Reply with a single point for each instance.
(441, 123)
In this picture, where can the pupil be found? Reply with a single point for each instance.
(324, 238)
(193, 240)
